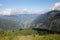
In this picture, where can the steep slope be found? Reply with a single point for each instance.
(49, 21)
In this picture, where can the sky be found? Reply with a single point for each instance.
(8, 7)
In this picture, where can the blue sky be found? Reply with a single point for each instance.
(28, 4)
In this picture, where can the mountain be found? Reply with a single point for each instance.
(49, 20)
(8, 22)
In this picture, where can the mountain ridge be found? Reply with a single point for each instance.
(49, 21)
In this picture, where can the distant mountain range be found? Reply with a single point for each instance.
(16, 21)
(49, 20)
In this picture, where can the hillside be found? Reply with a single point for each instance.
(49, 20)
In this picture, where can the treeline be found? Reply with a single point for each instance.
(45, 31)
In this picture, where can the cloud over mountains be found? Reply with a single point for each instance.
(26, 11)
(19, 11)
(56, 6)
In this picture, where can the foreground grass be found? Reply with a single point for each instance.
(33, 37)
(42, 37)
(27, 34)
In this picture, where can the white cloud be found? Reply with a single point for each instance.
(22, 11)
(1, 5)
(56, 6)
(6, 12)
(19, 11)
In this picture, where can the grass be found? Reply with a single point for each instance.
(27, 34)
(42, 37)
(32, 37)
